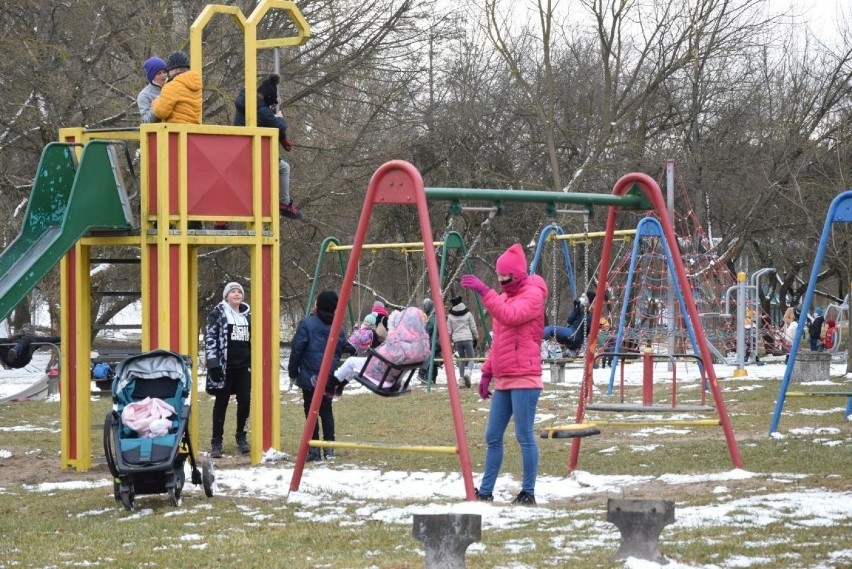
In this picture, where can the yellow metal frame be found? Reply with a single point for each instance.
(385, 446)
(622, 234)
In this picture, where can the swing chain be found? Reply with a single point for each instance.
(553, 314)
(483, 227)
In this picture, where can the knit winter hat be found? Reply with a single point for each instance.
(231, 286)
(370, 319)
(327, 301)
(153, 65)
(268, 89)
(176, 59)
(428, 305)
(513, 262)
(379, 308)
(818, 310)
(456, 300)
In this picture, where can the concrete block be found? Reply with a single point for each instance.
(640, 523)
(446, 537)
(811, 366)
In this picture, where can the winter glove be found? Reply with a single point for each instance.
(215, 380)
(473, 282)
(484, 382)
(475, 343)
(288, 146)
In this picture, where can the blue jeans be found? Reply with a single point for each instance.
(522, 404)
(563, 333)
(284, 182)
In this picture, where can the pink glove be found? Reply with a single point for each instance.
(473, 282)
(288, 146)
(484, 382)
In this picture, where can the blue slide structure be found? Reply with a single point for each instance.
(68, 200)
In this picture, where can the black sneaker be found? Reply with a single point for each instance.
(216, 450)
(524, 498)
(483, 497)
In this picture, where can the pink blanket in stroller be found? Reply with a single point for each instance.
(149, 417)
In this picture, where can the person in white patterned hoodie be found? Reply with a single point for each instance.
(227, 347)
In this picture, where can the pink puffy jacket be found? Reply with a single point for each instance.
(517, 320)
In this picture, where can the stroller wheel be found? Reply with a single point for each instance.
(174, 496)
(176, 491)
(127, 496)
(207, 477)
(116, 490)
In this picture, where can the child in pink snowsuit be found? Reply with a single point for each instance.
(362, 337)
(407, 343)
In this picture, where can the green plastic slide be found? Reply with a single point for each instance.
(67, 201)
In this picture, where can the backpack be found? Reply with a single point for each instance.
(102, 371)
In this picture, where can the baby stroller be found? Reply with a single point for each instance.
(146, 442)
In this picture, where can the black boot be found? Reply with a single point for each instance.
(483, 497)
(216, 448)
(525, 498)
(314, 455)
(328, 453)
(242, 442)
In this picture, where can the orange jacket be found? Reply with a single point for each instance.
(180, 99)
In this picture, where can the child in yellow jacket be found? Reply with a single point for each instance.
(180, 98)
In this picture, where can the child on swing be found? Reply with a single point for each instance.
(363, 337)
(407, 343)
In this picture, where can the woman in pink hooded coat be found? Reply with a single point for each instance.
(514, 365)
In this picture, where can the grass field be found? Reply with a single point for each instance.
(791, 505)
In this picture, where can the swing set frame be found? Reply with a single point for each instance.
(452, 240)
(398, 183)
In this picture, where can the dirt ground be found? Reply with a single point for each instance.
(26, 466)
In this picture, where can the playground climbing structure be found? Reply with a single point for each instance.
(190, 174)
(650, 313)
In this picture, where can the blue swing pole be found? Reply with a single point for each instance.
(840, 210)
(569, 267)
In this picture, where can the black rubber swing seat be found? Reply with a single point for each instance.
(576, 431)
(394, 382)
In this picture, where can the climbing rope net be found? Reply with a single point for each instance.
(653, 315)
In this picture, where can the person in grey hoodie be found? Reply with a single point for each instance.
(462, 329)
(155, 72)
